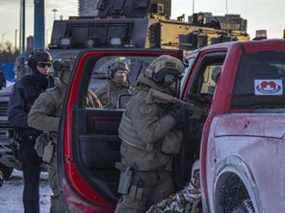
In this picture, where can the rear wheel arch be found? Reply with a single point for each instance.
(234, 184)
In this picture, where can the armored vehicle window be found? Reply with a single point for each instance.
(260, 81)
(80, 34)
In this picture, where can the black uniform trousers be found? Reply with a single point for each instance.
(31, 170)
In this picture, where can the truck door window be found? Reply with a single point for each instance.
(189, 64)
(111, 94)
(209, 79)
(260, 81)
(205, 81)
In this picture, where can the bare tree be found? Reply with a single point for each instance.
(8, 54)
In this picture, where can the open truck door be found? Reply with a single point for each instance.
(88, 145)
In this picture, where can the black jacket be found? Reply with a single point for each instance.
(2, 80)
(25, 92)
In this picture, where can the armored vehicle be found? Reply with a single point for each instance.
(137, 24)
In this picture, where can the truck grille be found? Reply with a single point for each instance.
(4, 124)
(3, 108)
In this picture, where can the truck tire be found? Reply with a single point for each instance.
(245, 206)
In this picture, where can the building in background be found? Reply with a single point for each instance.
(260, 34)
(30, 43)
(233, 22)
(162, 7)
(89, 7)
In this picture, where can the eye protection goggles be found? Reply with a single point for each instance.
(166, 77)
(44, 64)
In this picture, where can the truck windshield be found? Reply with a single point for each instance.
(260, 81)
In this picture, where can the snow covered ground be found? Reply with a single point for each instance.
(11, 194)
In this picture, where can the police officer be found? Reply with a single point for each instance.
(151, 135)
(118, 85)
(25, 92)
(45, 115)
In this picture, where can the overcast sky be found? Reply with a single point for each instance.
(261, 14)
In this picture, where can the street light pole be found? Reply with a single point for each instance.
(193, 7)
(2, 37)
(54, 13)
(39, 24)
(22, 25)
(16, 38)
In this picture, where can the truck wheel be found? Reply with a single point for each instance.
(245, 206)
(197, 207)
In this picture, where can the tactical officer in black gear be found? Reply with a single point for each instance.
(25, 92)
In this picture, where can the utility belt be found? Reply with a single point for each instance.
(166, 147)
(147, 148)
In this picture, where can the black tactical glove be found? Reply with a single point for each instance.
(181, 114)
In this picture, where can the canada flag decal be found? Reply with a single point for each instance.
(268, 87)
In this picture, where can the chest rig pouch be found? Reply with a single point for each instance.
(48, 154)
(49, 149)
(171, 143)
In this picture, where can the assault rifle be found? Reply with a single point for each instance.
(165, 98)
(182, 167)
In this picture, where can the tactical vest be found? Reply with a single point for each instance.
(134, 149)
(129, 135)
(110, 94)
(57, 94)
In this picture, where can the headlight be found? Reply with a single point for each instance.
(90, 43)
(116, 41)
(65, 42)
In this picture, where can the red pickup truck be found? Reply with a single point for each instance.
(238, 139)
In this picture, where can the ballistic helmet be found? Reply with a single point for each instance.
(163, 72)
(39, 57)
(118, 65)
